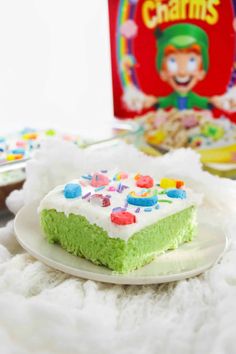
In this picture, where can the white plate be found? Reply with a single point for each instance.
(187, 261)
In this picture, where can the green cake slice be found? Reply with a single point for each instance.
(119, 220)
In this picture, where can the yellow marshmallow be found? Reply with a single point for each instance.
(167, 183)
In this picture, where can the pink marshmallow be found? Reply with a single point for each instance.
(99, 180)
(129, 29)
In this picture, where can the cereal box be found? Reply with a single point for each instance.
(174, 71)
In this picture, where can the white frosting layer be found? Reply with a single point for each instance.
(100, 216)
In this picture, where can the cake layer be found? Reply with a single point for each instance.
(81, 238)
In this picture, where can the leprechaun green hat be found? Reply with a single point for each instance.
(182, 36)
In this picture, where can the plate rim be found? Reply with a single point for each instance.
(113, 278)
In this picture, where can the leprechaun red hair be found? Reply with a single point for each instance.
(195, 48)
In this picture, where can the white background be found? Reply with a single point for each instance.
(54, 64)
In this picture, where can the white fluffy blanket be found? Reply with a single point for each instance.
(45, 311)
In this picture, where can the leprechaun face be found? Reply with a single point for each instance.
(182, 70)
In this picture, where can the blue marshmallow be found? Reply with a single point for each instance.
(141, 201)
(18, 151)
(72, 191)
(176, 193)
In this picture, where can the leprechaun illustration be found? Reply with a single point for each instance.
(182, 61)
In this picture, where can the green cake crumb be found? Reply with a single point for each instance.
(77, 236)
